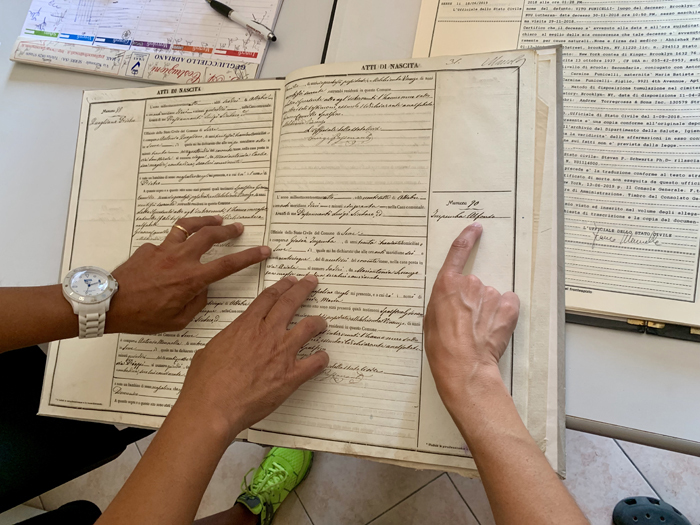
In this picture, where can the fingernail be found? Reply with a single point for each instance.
(238, 226)
(291, 278)
(219, 218)
(477, 225)
(265, 251)
(311, 278)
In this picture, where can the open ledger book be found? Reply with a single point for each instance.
(632, 145)
(362, 174)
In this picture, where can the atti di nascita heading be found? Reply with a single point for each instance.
(399, 65)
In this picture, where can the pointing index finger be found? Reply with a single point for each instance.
(234, 262)
(461, 248)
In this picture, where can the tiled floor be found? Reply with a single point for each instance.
(342, 490)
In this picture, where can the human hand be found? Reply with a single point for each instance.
(162, 288)
(467, 325)
(251, 366)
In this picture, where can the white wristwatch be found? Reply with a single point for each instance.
(89, 289)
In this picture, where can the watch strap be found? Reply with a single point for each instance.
(91, 319)
(92, 325)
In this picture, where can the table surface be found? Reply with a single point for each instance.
(631, 386)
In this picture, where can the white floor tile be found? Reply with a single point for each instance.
(291, 512)
(438, 502)
(142, 444)
(19, 514)
(225, 484)
(472, 490)
(99, 486)
(348, 490)
(352, 491)
(35, 503)
(675, 477)
(599, 475)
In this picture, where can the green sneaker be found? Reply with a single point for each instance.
(281, 470)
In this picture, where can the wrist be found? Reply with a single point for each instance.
(219, 429)
(67, 321)
(476, 388)
(482, 407)
(114, 323)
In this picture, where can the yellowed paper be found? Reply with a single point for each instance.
(123, 197)
(360, 173)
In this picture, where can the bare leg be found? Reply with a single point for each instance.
(236, 515)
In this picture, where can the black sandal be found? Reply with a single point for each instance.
(642, 510)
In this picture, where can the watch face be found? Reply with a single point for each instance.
(89, 283)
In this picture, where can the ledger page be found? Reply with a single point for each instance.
(632, 118)
(380, 166)
(147, 157)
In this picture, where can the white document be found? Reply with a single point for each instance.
(360, 173)
(631, 136)
(157, 68)
(180, 41)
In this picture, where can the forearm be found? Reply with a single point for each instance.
(520, 484)
(40, 314)
(168, 483)
(33, 315)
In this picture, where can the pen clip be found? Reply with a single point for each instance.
(261, 24)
